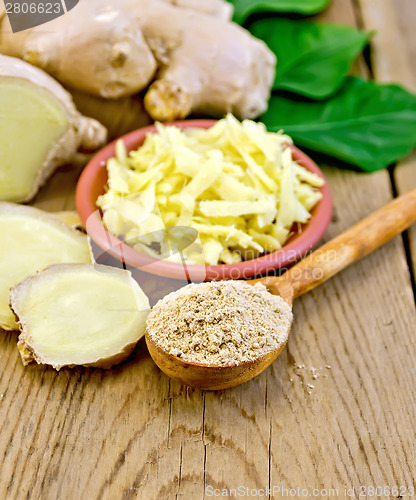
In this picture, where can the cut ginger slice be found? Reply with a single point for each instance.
(69, 217)
(40, 129)
(30, 241)
(32, 123)
(79, 314)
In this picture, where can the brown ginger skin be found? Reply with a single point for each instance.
(196, 58)
(94, 48)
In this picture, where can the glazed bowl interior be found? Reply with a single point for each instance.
(92, 184)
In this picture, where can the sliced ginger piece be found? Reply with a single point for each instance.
(32, 240)
(40, 129)
(70, 217)
(79, 314)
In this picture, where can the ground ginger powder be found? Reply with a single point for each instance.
(220, 322)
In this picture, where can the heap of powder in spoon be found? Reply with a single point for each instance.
(220, 322)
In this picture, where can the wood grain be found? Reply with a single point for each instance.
(132, 433)
(347, 248)
(393, 60)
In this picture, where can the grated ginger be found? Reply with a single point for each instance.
(235, 183)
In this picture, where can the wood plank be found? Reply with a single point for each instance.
(132, 433)
(345, 13)
(390, 55)
(393, 56)
(58, 193)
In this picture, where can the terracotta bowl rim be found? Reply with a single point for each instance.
(293, 250)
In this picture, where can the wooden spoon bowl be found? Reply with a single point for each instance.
(209, 377)
(350, 246)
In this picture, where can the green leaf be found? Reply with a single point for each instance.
(243, 8)
(313, 59)
(366, 124)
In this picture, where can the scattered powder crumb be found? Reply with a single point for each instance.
(308, 375)
(314, 372)
(220, 322)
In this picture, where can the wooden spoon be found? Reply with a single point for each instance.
(348, 247)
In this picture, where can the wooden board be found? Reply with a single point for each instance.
(132, 433)
(393, 60)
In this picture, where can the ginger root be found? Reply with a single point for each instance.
(79, 314)
(40, 129)
(198, 60)
(216, 8)
(32, 240)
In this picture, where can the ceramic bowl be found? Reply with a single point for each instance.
(92, 184)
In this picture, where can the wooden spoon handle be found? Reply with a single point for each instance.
(352, 245)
